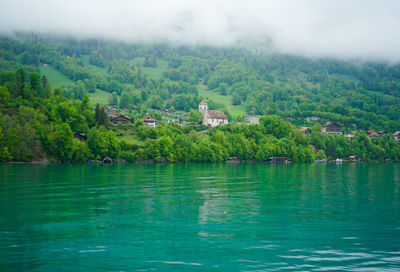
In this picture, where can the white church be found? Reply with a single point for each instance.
(212, 118)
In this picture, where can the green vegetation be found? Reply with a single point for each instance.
(55, 78)
(154, 72)
(38, 118)
(225, 100)
(99, 97)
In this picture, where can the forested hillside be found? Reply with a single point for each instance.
(359, 96)
(49, 87)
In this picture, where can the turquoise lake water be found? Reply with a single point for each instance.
(200, 217)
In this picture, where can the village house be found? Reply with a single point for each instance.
(80, 136)
(212, 118)
(252, 120)
(372, 133)
(396, 136)
(148, 121)
(119, 119)
(312, 118)
(332, 129)
(382, 133)
(306, 130)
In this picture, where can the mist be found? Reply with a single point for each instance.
(357, 29)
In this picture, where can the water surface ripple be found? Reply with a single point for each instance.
(200, 217)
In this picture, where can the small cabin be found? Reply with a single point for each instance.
(233, 159)
(353, 158)
(279, 160)
(80, 136)
(120, 119)
(107, 160)
(332, 128)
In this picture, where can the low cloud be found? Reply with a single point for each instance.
(357, 29)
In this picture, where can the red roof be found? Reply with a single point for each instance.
(147, 118)
(203, 103)
(216, 114)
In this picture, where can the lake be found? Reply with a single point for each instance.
(200, 217)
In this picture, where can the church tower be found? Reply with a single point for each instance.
(203, 108)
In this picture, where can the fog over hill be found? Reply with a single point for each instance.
(360, 29)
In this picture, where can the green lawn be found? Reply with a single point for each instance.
(98, 70)
(100, 96)
(54, 77)
(154, 72)
(222, 99)
(131, 139)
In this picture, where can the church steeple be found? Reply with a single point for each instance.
(203, 108)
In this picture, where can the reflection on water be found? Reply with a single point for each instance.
(253, 217)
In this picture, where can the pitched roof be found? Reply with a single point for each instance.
(331, 124)
(304, 128)
(147, 118)
(203, 103)
(119, 117)
(216, 114)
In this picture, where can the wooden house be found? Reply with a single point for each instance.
(332, 128)
(120, 119)
(279, 159)
(107, 160)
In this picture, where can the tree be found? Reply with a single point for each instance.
(4, 95)
(80, 151)
(102, 142)
(276, 126)
(194, 116)
(60, 142)
(114, 99)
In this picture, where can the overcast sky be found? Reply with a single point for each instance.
(349, 29)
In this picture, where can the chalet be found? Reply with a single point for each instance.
(332, 128)
(372, 133)
(148, 121)
(120, 119)
(396, 136)
(80, 136)
(252, 120)
(212, 118)
(306, 130)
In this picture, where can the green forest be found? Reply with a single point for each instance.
(52, 87)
